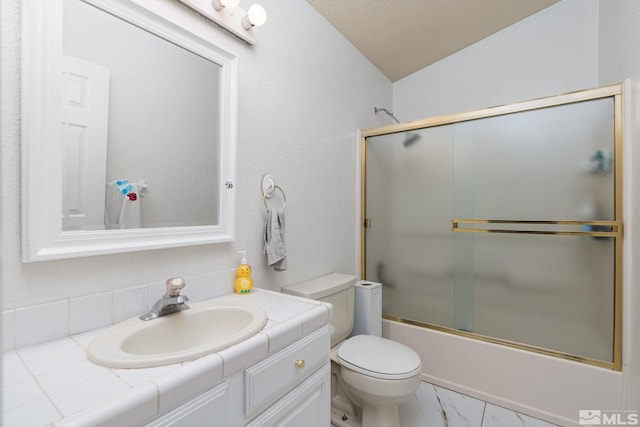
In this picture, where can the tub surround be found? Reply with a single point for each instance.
(53, 383)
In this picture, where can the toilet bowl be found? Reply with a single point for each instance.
(372, 374)
(382, 374)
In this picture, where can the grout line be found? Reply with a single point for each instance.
(46, 394)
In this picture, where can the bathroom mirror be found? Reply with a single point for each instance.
(112, 91)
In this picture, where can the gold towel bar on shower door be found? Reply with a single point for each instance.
(588, 228)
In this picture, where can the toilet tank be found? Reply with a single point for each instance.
(335, 288)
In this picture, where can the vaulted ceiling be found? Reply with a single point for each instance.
(403, 36)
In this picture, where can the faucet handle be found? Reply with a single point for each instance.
(174, 285)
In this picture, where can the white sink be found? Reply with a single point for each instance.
(205, 328)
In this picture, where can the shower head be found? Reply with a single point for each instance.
(384, 110)
(410, 138)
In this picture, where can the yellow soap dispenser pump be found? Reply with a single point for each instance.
(243, 283)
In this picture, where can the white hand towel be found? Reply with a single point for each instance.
(274, 240)
(131, 210)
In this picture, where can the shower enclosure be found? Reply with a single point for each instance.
(503, 224)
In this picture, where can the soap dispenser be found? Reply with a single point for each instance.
(243, 283)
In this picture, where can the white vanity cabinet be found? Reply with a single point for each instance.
(289, 388)
(209, 409)
(307, 405)
(292, 387)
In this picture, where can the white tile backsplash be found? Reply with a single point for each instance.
(28, 326)
(130, 302)
(41, 323)
(90, 312)
(195, 288)
(8, 330)
(219, 283)
(156, 291)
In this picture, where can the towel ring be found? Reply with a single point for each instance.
(268, 187)
(268, 195)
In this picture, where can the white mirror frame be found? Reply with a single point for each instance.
(42, 235)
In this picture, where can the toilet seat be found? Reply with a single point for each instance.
(379, 358)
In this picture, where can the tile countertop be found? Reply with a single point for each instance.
(53, 384)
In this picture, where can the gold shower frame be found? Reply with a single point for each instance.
(483, 225)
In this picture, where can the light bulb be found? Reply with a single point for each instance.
(221, 4)
(256, 16)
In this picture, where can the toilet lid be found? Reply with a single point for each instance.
(379, 357)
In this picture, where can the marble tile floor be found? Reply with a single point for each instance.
(434, 406)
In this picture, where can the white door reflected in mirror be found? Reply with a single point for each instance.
(85, 115)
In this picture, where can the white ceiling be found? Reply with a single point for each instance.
(403, 36)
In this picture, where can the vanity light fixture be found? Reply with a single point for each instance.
(220, 4)
(255, 17)
(229, 16)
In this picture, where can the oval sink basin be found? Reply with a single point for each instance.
(178, 337)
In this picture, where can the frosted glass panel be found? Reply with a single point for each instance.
(554, 292)
(542, 164)
(545, 285)
(410, 199)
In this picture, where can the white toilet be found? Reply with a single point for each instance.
(370, 375)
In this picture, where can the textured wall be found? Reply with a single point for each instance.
(303, 92)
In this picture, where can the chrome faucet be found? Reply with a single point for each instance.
(170, 302)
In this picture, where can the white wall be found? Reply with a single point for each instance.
(572, 45)
(303, 92)
(619, 38)
(551, 52)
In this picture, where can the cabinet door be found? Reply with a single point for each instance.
(275, 376)
(209, 409)
(307, 405)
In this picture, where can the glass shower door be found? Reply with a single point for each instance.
(503, 227)
(409, 246)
